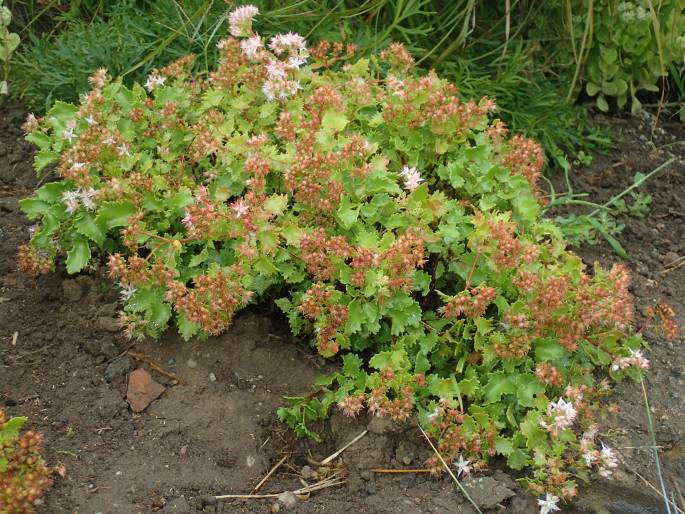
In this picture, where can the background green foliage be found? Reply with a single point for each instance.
(8, 43)
(128, 39)
(479, 45)
(626, 47)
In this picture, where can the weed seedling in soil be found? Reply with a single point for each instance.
(397, 224)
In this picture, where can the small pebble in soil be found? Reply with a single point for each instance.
(191, 363)
(487, 492)
(212, 377)
(288, 499)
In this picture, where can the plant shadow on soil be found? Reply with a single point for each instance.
(219, 433)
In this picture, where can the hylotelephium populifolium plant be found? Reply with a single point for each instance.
(396, 221)
(24, 476)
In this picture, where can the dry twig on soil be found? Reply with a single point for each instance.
(271, 472)
(334, 455)
(447, 468)
(322, 484)
(159, 369)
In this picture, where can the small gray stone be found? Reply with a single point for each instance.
(72, 290)
(288, 499)
(118, 368)
(212, 377)
(487, 492)
(191, 363)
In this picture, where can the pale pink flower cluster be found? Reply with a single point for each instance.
(240, 208)
(560, 415)
(68, 133)
(396, 85)
(31, 123)
(608, 461)
(240, 20)
(154, 79)
(549, 504)
(575, 394)
(71, 200)
(99, 78)
(588, 437)
(87, 198)
(291, 44)
(277, 83)
(127, 292)
(74, 199)
(412, 178)
(252, 47)
(187, 221)
(605, 460)
(635, 359)
(463, 467)
(123, 150)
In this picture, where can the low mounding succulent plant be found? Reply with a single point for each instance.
(396, 223)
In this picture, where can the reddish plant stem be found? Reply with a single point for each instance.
(473, 268)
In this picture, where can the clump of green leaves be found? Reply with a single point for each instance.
(626, 46)
(397, 224)
(23, 474)
(9, 42)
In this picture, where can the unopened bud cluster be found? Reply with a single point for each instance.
(23, 475)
